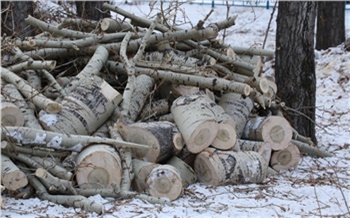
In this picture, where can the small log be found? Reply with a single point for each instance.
(196, 122)
(85, 109)
(187, 174)
(226, 137)
(54, 183)
(238, 108)
(217, 167)
(161, 181)
(165, 181)
(263, 148)
(11, 176)
(30, 93)
(11, 115)
(30, 120)
(28, 136)
(98, 166)
(273, 129)
(312, 151)
(55, 169)
(163, 138)
(286, 158)
(110, 25)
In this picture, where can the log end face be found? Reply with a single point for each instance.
(165, 181)
(226, 137)
(285, 159)
(278, 132)
(205, 169)
(14, 180)
(11, 115)
(203, 136)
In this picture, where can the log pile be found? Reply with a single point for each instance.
(137, 109)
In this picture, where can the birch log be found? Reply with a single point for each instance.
(162, 181)
(238, 108)
(217, 167)
(273, 129)
(62, 186)
(286, 158)
(98, 166)
(11, 176)
(10, 91)
(110, 25)
(196, 122)
(11, 115)
(187, 174)
(85, 109)
(312, 151)
(263, 148)
(28, 136)
(163, 137)
(30, 93)
(51, 165)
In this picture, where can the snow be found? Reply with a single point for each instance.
(316, 187)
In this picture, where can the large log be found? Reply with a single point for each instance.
(162, 181)
(85, 109)
(98, 166)
(273, 129)
(196, 122)
(11, 176)
(163, 137)
(238, 107)
(217, 167)
(286, 158)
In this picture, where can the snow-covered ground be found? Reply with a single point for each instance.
(316, 188)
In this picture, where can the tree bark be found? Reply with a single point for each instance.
(330, 24)
(13, 14)
(91, 10)
(295, 63)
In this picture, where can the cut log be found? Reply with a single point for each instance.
(61, 185)
(227, 136)
(196, 122)
(162, 181)
(238, 108)
(11, 115)
(187, 174)
(273, 129)
(52, 166)
(10, 91)
(11, 176)
(263, 148)
(98, 166)
(163, 138)
(165, 182)
(86, 108)
(217, 167)
(286, 158)
(110, 25)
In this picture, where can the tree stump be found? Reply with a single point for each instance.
(285, 159)
(11, 176)
(187, 174)
(98, 166)
(273, 129)
(163, 137)
(217, 167)
(87, 107)
(238, 107)
(196, 122)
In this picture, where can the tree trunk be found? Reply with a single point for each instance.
(295, 63)
(330, 24)
(13, 14)
(91, 10)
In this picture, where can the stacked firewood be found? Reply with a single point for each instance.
(137, 108)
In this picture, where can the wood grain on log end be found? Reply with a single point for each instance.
(11, 115)
(285, 159)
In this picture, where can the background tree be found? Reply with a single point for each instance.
(295, 64)
(91, 10)
(13, 14)
(330, 24)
